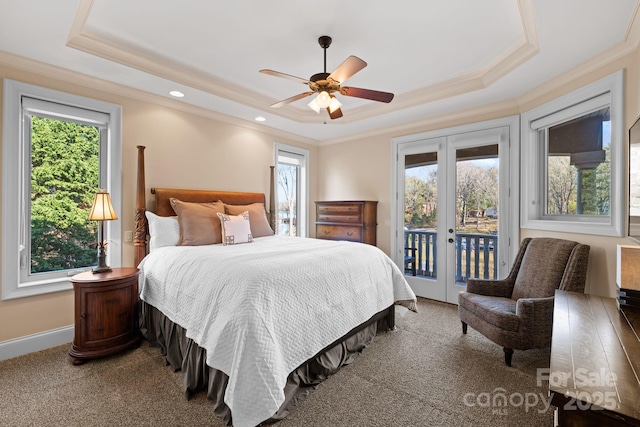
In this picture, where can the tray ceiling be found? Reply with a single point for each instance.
(437, 57)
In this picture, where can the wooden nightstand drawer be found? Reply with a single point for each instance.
(332, 232)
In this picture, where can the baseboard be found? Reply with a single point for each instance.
(36, 342)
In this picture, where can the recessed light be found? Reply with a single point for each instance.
(176, 93)
(260, 119)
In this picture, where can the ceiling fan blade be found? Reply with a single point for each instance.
(285, 76)
(373, 95)
(290, 100)
(348, 68)
(336, 113)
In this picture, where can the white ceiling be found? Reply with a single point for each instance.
(438, 57)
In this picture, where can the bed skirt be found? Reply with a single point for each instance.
(184, 355)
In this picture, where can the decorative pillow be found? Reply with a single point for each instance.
(235, 228)
(163, 230)
(199, 224)
(257, 218)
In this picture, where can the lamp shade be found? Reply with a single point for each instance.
(323, 99)
(102, 210)
(628, 267)
(314, 105)
(334, 105)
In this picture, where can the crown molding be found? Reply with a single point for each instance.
(94, 83)
(593, 65)
(504, 108)
(564, 81)
(82, 39)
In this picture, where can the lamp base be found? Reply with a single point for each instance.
(102, 265)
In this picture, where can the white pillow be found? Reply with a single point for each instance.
(235, 228)
(163, 230)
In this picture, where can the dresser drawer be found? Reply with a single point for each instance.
(340, 209)
(346, 218)
(339, 232)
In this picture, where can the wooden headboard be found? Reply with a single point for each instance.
(164, 195)
(163, 206)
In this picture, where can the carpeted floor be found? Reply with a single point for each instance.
(424, 374)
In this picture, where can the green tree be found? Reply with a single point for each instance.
(596, 188)
(420, 201)
(561, 186)
(64, 178)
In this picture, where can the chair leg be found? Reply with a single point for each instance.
(464, 328)
(508, 353)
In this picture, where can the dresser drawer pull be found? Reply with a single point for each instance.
(349, 233)
(83, 315)
(326, 232)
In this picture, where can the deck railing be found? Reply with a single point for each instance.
(476, 255)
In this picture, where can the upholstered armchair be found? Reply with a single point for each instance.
(517, 312)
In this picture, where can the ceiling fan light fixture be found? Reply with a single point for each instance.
(323, 99)
(314, 105)
(334, 104)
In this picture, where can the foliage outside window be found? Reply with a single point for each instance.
(579, 165)
(572, 164)
(58, 150)
(64, 178)
(476, 193)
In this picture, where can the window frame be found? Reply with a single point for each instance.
(15, 166)
(303, 187)
(608, 91)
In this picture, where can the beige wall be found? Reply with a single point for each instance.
(339, 179)
(183, 150)
(190, 150)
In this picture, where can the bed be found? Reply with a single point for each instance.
(257, 325)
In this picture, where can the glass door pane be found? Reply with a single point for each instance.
(422, 209)
(420, 213)
(287, 198)
(477, 207)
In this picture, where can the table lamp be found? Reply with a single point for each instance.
(102, 211)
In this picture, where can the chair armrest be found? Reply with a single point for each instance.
(529, 307)
(492, 288)
(536, 315)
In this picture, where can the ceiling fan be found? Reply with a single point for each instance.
(325, 85)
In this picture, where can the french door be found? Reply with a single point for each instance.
(453, 208)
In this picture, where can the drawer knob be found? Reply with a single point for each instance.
(349, 233)
(83, 315)
(326, 231)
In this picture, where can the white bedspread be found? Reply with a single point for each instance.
(261, 309)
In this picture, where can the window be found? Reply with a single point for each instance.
(59, 149)
(572, 161)
(291, 190)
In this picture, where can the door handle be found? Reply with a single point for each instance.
(450, 240)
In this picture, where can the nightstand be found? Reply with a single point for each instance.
(106, 313)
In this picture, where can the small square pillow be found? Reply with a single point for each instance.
(257, 218)
(199, 224)
(235, 228)
(163, 230)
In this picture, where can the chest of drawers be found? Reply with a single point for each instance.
(354, 221)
